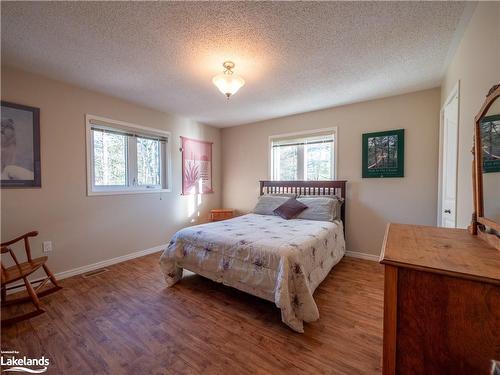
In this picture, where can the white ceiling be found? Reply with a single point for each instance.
(295, 56)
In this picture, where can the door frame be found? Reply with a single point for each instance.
(451, 95)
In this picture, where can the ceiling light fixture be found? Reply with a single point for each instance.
(228, 83)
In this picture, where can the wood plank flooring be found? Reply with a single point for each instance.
(125, 321)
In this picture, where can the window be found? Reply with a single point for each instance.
(302, 156)
(125, 158)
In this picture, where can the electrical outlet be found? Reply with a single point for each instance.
(47, 246)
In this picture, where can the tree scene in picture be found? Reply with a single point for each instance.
(383, 152)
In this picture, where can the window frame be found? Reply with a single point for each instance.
(305, 134)
(165, 162)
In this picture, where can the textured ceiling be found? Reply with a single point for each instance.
(294, 56)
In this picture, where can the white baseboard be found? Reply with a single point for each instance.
(108, 262)
(95, 266)
(152, 250)
(355, 254)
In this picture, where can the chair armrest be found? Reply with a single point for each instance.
(24, 236)
(27, 248)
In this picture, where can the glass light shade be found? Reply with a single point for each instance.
(228, 84)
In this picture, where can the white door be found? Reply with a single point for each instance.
(449, 167)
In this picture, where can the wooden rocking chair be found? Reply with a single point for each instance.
(22, 271)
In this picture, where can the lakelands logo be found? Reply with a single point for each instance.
(23, 364)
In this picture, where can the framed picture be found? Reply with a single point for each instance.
(490, 142)
(20, 146)
(383, 154)
(196, 166)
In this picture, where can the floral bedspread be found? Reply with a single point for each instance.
(280, 260)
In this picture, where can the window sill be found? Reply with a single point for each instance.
(126, 192)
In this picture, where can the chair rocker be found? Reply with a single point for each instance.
(21, 271)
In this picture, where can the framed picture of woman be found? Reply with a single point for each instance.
(20, 146)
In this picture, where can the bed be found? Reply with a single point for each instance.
(280, 260)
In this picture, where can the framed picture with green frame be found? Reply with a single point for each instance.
(383, 154)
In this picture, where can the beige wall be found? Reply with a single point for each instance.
(371, 203)
(477, 65)
(85, 229)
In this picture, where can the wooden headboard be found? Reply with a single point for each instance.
(307, 188)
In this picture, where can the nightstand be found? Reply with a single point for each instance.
(221, 214)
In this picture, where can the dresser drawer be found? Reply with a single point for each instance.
(221, 214)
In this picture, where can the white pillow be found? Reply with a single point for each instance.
(268, 203)
(320, 208)
(288, 195)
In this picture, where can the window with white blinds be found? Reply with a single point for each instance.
(123, 157)
(309, 157)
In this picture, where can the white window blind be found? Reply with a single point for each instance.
(123, 158)
(305, 157)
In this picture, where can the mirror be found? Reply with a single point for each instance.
(490, 147)
(486, 221)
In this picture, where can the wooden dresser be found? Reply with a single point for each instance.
(441, 301)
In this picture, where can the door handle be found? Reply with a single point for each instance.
(447, 211)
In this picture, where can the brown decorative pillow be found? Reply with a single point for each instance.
(291, 208)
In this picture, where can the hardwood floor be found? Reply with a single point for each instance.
(125, 321)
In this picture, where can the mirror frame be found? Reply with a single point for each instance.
(477, 174)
